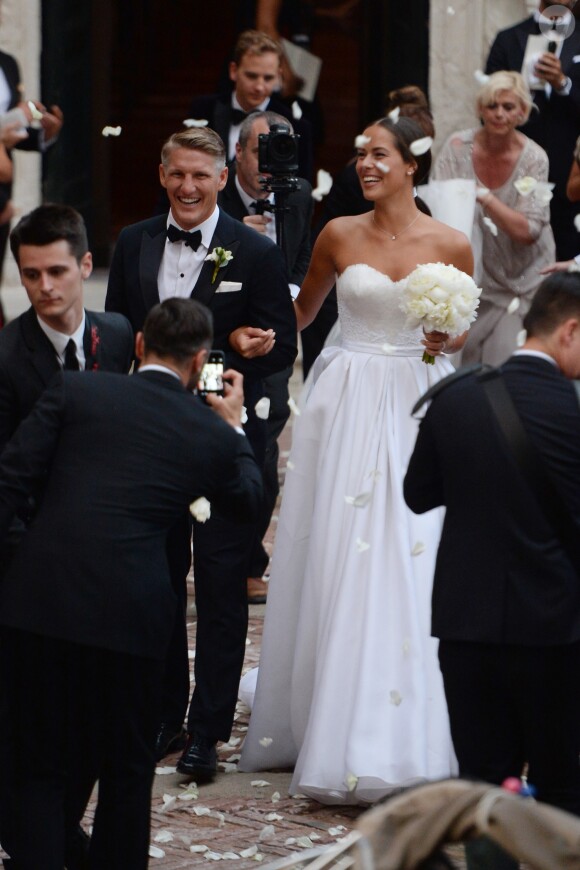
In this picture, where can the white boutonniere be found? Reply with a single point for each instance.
(221, 258)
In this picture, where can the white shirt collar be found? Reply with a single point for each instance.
(246, 198)
(537, 353)
(154, 367)
(59, 340)
(261, 108)
(207, 228)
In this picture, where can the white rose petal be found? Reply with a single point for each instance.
(361, 140)
(200, 509)
(290, 465)
(164, 771)
(450, 10)
(265, 741)
(395, 698)
(249, 853)
(111, 131)
(336, 832)
(163, 837)
(482, 191)
(382, 167)
(514, 305)
(36, 113)
(275, 797)
(156, 852)
(202, 811)
(296, 110)
(521, 337)
(525, 185)
(418, 549)
(323, 184)
(274, 817)
(293, 406)
(267, 832)
(262, 408)
(577, 222)
(351, 781)
(198, 847)
(195, 122)
(304, 842)
(259, 783)
(420, 146)
(573, 267)
(480, 77)
(213, 856)
(361, 545)
(315, 836)
(394, 114)
(361, 500)
(490, 225)
(230, 856)
(291, 841)
(169, 800)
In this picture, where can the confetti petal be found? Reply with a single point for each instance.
(199, 847)
(296, 110)
(200, 509)
(304, 842)
(164, 771)
(274, 817)
(361, 500)
(293, 406)
(266, 832)
(420, 146)
(195, 122)
(249, 853)
(202, 811)
(265, 741)
(323, 184)
(382, 167)
(230, 856)
(111, 131)
(394, 114)
(521, 337)
(291, 841)
(361, 545)
(361, 140)
(213, 856)
(450, 10)
(335, 832)
(351, 781)
(490, 225)
(262, 408)
(514, 305)
(290, 465)
(169, 801)
(480, 77)
(163, 837)
(36, 113)
(244, 418)
(577, 222)
(156, 852)
(259, 783)
(395, 698)
(275, 797)
(418, 549)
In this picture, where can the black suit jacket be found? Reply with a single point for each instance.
(502, 575)
(297, 219)
(125, 458)
(28, 362)
(217, 110)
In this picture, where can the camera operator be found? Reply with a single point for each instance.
(247, 199)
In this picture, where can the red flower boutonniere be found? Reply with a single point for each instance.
(95, 342)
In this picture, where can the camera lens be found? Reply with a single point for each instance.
(282, 148)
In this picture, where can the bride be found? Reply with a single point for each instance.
(349, 690)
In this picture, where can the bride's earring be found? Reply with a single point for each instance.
(410, 171)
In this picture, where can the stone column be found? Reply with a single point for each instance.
(461, 34)
(20, 35)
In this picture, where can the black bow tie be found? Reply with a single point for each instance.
(260, 206)
(238, 116)
(174, 234)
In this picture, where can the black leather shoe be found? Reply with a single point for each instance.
(169, 740)
(199, 760)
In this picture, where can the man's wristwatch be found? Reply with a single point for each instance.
(565, 85)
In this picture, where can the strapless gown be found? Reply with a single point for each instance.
(349, 690)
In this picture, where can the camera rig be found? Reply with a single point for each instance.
(278, 157)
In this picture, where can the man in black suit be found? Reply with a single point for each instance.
(245, 199)
(88, 599)
(556, 124)
(255, 327)
(506, 595)
(255, 72)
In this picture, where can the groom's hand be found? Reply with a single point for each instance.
(249, 341)
(229, 406)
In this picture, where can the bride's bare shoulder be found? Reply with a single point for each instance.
(454, 246)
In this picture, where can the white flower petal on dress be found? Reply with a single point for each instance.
(266, 832)
(361, 500)
(274, 817)
(521, 337)
(480, 77)
(156, 852)
(382, 167)
(490, 225)
(323, 184)
(577, 222)
(200, 509)
(361, 545)
(351, 781)
(163, 837)
(293, 406)
(525, 185)
(244, 416)
(394, 114)
(165, 771)
(199, 847)
(361, 140)
(262, 408)
(388, 348)
(249, 853)
(395, 697)
(259, 783)
(420, 146)
(418, 549)
(265, 741)
(195, 122)
(514, 305)
(111, 131)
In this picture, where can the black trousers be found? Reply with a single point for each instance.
(512, 704)
(72, 716)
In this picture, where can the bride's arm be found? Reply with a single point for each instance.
(319, 279)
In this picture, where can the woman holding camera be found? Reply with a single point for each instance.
(349, 689)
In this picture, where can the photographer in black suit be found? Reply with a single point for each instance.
(88, 599)
(247, 200)
(506, 595)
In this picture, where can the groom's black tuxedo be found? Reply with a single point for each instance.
(222, 548)
(506, 597)
(91, 594)
(555, 125)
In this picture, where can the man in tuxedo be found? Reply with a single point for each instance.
(245, 199)
(255, 327)
(506, 595)
(88, 598)
(556, 124)
(255, 73)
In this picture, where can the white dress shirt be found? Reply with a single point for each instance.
(180, 265)
(59, 341)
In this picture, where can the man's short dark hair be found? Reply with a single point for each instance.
(556, 300)
(178, 329)
(269, 117)
(51, 223)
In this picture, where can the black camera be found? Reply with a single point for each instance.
(278, 151)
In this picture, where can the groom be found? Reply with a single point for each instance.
(255, 327)
(506, 594)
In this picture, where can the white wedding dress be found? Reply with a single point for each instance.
(349, 690)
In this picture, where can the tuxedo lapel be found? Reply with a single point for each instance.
(222, 121)
(150, 256)
(224, 237)
(41, 353)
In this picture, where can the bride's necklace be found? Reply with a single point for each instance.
(395, 236)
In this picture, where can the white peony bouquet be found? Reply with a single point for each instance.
(440, 298)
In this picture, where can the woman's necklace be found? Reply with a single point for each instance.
(395, 236)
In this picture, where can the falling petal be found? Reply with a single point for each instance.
(156, 852)
(323, 184)
(265, 741)
(382, 167)
(165, 771)
(351, 781)
(199, 847)
(394, 114)
(195, 122)
(335, 832)
(267, 832)
(299, 796)
(169, 801)
(213, 856)
(482, 191)
(259, 783)
(388, 348)
(577, 222)
(200, 509)
(420, 146)
(514, 305)
(361, 500)
(232, 742)
(235, 757)
(490, 225)
(228, 767)
(296, 110)
(395, 697)
(111, 131)
(36, 113)
(573, 267)
(230, 856)
(275, 797)
(249, 853)
(248, 642)
(418, 549)
(221, 819)
(293, 406)
(244, 419)
(361, 140)
(521, 337)
(290, 465)
(262, 408)
(362, 545)
(544, 192)
(450, 10)
(315, 836)
(480, 77)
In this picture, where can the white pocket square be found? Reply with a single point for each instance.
(229, 287)
(576, 58)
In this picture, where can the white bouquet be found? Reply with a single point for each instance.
(440, 298)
